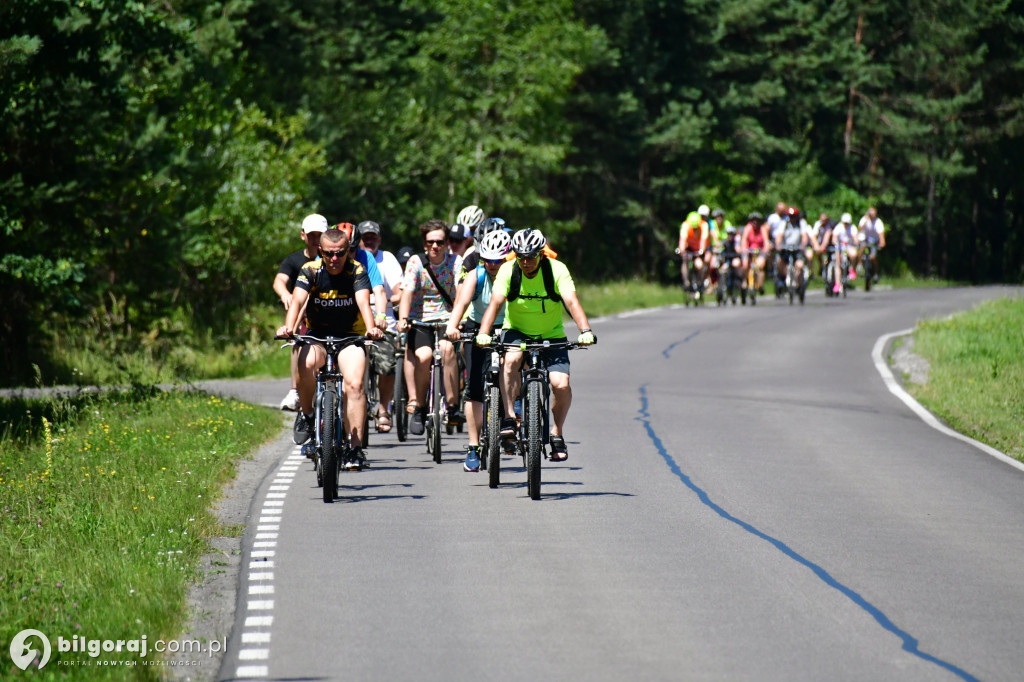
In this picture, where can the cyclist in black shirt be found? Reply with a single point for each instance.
(284, 283)
(334, 292)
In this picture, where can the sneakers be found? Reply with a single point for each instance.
(302, 429)
(355, 459)
(416, 421)
(853, 274)
(291, 401)
(837, 288)
(472, 462)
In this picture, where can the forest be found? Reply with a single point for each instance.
(157, 157)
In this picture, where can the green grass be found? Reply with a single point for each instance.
(104, 514)
(173, 351)
(976, 380)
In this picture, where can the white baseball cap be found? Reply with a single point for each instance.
(314, 222)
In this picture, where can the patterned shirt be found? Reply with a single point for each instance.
(427, 303)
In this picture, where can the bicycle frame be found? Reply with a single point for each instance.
(535, 387)
(436, 414)
(330, 437)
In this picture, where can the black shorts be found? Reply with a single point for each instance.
(557, 358)
(418, 337)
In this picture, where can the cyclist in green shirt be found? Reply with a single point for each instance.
(535, 287)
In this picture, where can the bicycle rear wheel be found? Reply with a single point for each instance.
(401, 399)
(436, 405)
(493, 440)
(328, 444)
(535, 439)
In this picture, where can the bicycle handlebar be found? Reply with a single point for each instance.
(428, 325)
(338, 342)
(540, 345)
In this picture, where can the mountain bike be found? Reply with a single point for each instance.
(399, 416)
(867, 252)
(795, 282)
(728, 279)
(330, 441)
(535, 392)
(837, 268)
(490, 429)
(437, 415)
(753, 272)
(696, 285)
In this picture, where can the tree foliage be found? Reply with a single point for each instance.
(157, 157)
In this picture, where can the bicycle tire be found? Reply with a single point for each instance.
(492, 441)
(535, 438)
(436, 404)
(328, 444)
(868, 274)
(401, 399)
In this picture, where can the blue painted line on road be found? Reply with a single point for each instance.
(910, 644)
(668, 351)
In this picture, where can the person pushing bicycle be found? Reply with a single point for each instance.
(535, 287)
(337, 289)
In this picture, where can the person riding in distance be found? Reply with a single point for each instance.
(534, 312)
(334, 292)
(313, 226)
(694, 239)
(474, 294)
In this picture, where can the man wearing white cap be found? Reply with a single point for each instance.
(313, 226)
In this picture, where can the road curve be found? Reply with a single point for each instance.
(744, 500)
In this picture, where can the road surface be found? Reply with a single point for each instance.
(743, 500)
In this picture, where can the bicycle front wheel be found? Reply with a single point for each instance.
(328, 444)
(436, 404)
(533, 422)
(493, 440)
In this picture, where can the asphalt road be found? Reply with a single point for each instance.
(743, 500)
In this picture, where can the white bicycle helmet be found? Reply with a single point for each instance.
(496, 245)
(703, 211)
(487, 227)
(528, 243)
(471, 216)
(846, 218)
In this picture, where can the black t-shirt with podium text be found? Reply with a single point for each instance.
(332, 309)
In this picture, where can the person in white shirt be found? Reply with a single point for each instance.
(382, 352)
(872, 237)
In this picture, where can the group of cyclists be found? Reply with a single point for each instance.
(475, 276)
(710, 244)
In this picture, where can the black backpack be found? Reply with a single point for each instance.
(548, 276)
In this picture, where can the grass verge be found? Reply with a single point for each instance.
(976, 379)
(104, 514)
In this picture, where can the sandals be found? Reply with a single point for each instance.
(559, 453)
(383, 422)
(509, 429)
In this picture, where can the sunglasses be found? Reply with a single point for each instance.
(436, 242)
(334, 254)
(491, 261)
(525, 258)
